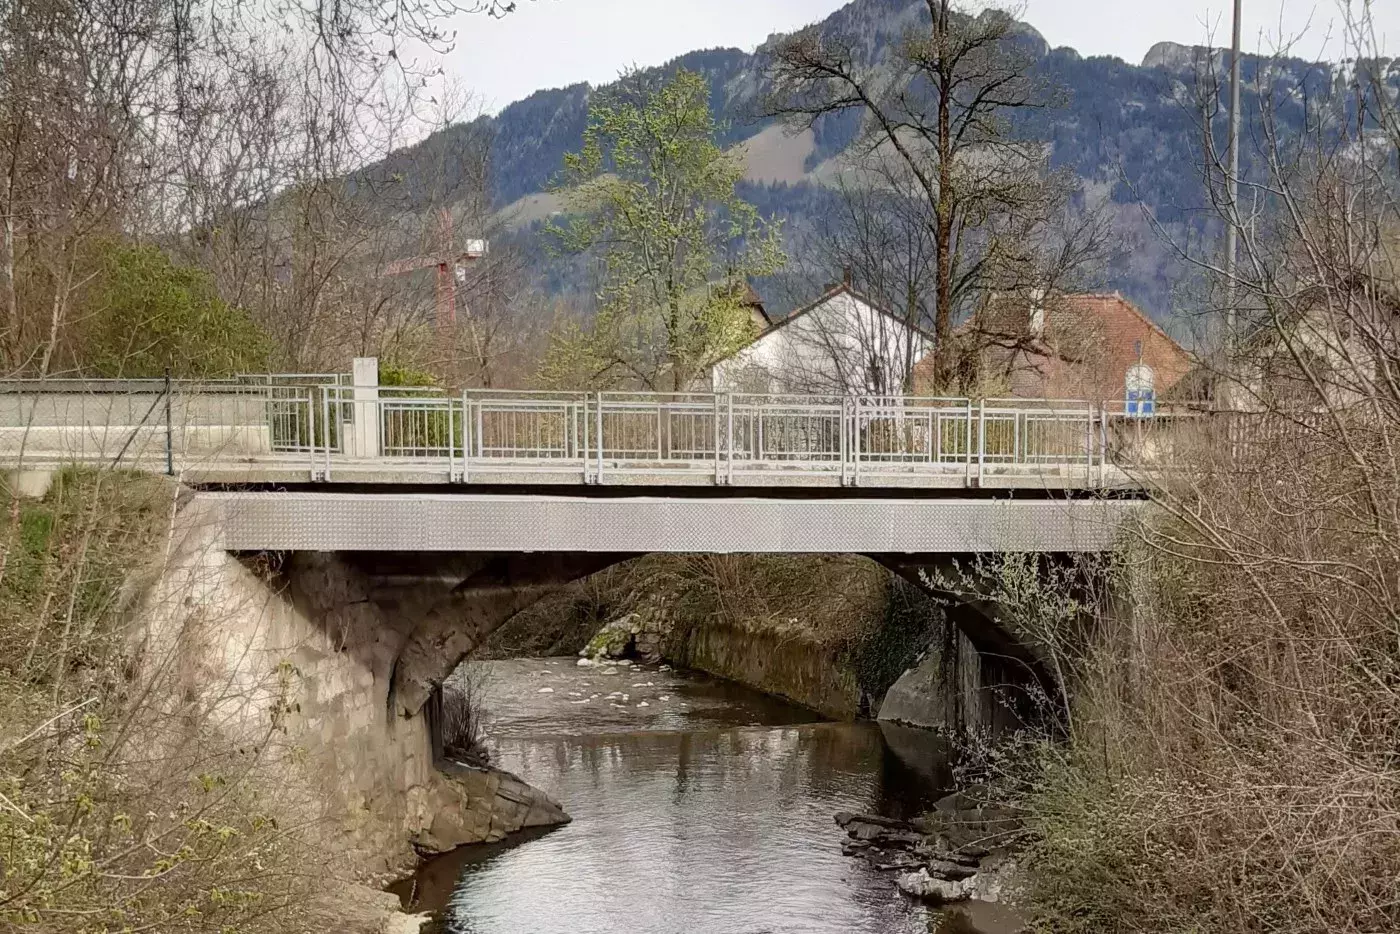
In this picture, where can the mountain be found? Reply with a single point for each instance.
(1127, 131)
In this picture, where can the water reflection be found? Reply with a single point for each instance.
(684, 822)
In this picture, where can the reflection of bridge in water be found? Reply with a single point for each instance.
(362, 466)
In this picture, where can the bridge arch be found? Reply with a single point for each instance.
(453, 603)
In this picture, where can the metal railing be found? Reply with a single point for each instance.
(328, 429)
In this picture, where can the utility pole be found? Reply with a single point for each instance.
(1232, 188)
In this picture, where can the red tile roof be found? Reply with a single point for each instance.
(1084, 351)
(1109, 330)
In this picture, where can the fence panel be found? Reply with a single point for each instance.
(322, 420)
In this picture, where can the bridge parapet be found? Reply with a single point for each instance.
(279, 429)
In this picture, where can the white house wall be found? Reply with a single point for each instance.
(843, 345)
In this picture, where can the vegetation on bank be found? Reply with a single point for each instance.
(122, 808)
(1231, 765)
(147, 315)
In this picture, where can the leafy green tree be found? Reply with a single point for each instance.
(147, 313)
(653, 196)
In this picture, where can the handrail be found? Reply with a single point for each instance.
(273, 424)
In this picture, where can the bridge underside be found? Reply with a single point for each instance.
(522, 523)
(460, 566)
(446, 605)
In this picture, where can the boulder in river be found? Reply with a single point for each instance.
(950, 871)
(636, 635)
(924, 886)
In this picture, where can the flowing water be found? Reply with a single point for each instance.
(699, 807)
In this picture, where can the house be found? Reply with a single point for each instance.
(1067, 346)
(1328, 346)
(844, 342)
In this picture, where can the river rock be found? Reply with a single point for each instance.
(950, 871)
(845, 818)
(923, 886)
(477, 805)
(863, 831)
(613, 641)
(636, 635)
(900, 863)
(968, 799)
(349, 908)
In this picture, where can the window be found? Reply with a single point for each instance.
(1140, 391)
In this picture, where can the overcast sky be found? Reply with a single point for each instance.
(552, 43)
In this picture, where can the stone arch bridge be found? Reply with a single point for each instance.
(409, 524)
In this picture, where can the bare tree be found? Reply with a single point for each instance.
(1234, 751)
(231, 133)
(939, 111)
(877, 233)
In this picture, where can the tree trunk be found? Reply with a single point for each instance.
(943, 217)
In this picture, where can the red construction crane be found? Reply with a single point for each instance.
(448, 260)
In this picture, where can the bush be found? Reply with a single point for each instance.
(146, 313)
(1232, 767)
(464, 716)
(121, 807)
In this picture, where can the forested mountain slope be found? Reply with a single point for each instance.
(1131, 133)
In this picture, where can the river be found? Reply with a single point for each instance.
(699, 807)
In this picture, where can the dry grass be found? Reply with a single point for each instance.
(121, 807)
(1234, 766)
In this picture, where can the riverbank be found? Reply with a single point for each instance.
(232, 708)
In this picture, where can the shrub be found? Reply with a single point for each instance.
(122, 808)
(147, 313)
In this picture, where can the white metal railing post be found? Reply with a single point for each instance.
(670, 450)
(1015, 440)
(981, 442)
(311, 428)
(368, 411)
(599, 425)
(452, 440)
(718, 462)
(339, 428)
(855, 436)
(580, 432)
(967, 474)
(729, 435)
(843, 422)
(1089, 447)
(479, 434)
(758, 435)
(1103, 445)
(467, 435)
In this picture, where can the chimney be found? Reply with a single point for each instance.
(847, 277)
(1037, 317)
